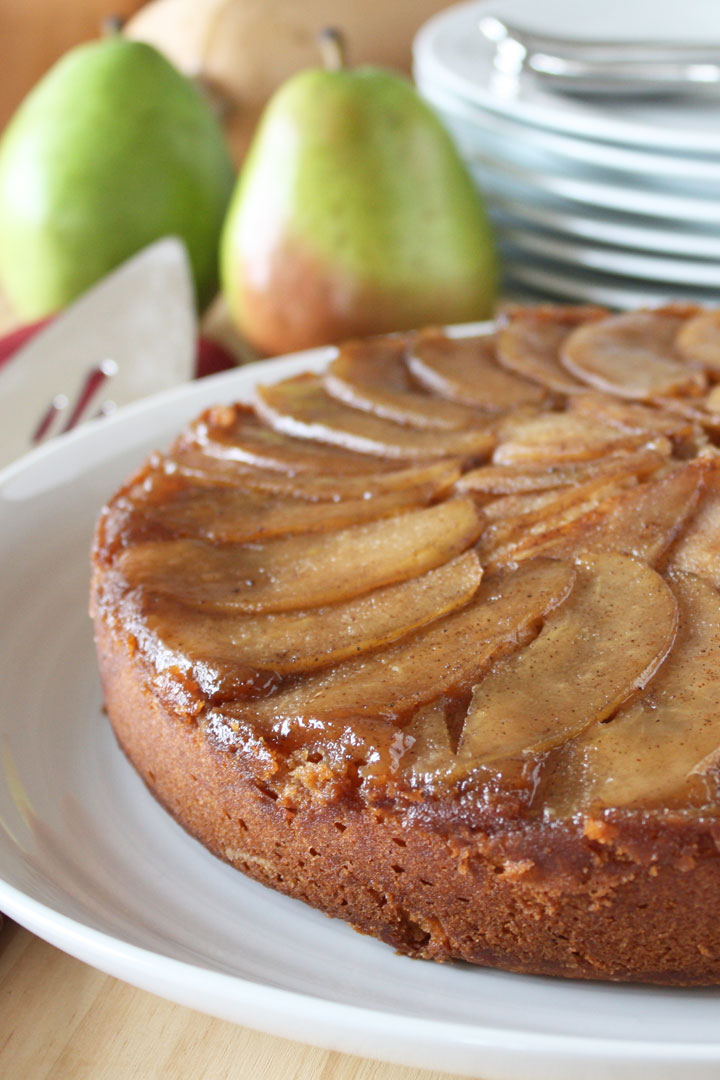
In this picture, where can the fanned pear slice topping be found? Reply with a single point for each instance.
(373, 376)
(506, 543)
(522, 479)
(430, 754)
(529, 507)
(294, 642)
(233, 433)
(231, 515)
(697, 550)
(632, 416)
(447, 656)
(465, 370)
(633, 355)
(556, 438)
(698, 340)
(303, 571)
(312, 487)
(643, 521)
(654, 751)
(700, 413)
(604, 643)
(530, 345)
(301, 407)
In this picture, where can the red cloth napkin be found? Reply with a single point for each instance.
(211, 357)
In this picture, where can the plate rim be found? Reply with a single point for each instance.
(612, 233)
(584, 285)
(72, 934)
(626, 133)
(568, 146)
(591, 192)
(646, 268)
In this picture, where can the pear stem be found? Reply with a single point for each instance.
(112, 26)
(333, 49)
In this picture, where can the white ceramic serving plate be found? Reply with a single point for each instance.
(570, 152)
(450, 52)
(494, 173)
(692, 274)
(605, 228)
(577, 284)
(90, 862)
(693, 21)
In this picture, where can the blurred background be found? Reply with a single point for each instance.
(589, 130)
(240, 51)
(246, 47)
(34, 34)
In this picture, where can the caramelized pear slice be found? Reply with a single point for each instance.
(521, 479)
(233, 433)
(303, 571)
(430, 754)
(643, 521)
(698, 340)
(373, 376)
(465, 370)
(632, 355)
(632, 416)
(711, 401)
(551, 438)
(515, 538)
(527, 509)
(515, 519)
(604, 643)
(231, 515)
(447, 656)
(530, 345)
(697, 550)
(653, 751)
(294, 642)
(698, 413)
(301, 407)
(310, 487)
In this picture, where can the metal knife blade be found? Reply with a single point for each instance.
(141, 317)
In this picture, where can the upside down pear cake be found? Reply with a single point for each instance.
(432, 641)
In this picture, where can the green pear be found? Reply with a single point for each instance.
(113, 149)
(354, 214)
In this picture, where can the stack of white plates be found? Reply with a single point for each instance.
(606, 200)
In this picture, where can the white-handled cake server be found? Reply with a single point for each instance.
(132, 334)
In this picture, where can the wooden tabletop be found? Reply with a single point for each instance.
(62, 1020)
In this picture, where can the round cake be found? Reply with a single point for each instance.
(431, 641)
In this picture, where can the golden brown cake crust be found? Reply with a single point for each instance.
(550, 902)
(402, 814)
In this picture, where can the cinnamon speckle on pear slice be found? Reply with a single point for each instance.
(466, 371)
(603, 644)
(656, 749)
(446, 657)
(301, 407)
(633, 355)
(530, 343)
(372, 376)
(304, 571)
